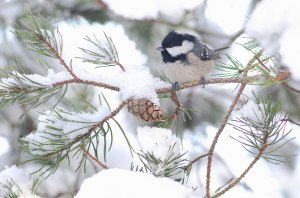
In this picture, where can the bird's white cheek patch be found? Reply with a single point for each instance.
(184, 48)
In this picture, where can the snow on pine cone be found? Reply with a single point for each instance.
(145, 109)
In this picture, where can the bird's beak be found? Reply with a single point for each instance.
(216, 53)
(160, 48)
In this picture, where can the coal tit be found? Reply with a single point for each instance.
(186, 58)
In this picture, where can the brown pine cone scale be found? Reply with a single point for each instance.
(145, 109)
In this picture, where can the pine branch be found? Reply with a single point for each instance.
(267, 128)
(52, 146)
(224, 122)
(281, 76)
(197, 159)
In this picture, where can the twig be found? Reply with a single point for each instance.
(224, 122)
(174, 98)
(263, 65)
(290, 120)
(197, 158)
(113, 113)
(291, 88)
(261, 152)
(86, 82)
(94, 159)
(58, 56)
(120, 65)
(213, 145)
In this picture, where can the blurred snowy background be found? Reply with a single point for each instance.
(137, 28)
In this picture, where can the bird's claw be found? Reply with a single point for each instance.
(202, 81)
(175, 86)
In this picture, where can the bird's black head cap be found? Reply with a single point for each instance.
(175, 39)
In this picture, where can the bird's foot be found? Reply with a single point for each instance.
(175, 86)
(202, 81)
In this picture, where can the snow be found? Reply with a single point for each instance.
(136, 81)
(4, 145)
(161, 145)
(158, 141)
(60, 125)
(278, 31)
(128, 53)
(55, 77)
(150, 9)
(116, 183)
(19, 179)
(224, 16)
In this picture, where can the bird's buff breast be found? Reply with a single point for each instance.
(177, 72)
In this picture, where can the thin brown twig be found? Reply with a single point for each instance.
(197, 158)
(263, 65)
(220, 130)
(94, 159)
(291, 121)
(174, 98)
(291, 88)
(224, 122)
(120, 65)
(113, 113)
(258, 156)
(58, 56)
(86, 82)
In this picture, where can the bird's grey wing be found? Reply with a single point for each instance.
(204, 52)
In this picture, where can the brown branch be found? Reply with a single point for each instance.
(174, 98)
(291, 88)
(113, 114)
(263, 65)
(57, 55)
(197, 158)
(220, 130)
(120, 65)
(94, 159)
(224, 122)
(281, 76)
(86, 82)
(291, 121)
(261, 152)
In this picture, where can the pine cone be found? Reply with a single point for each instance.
(145, 109)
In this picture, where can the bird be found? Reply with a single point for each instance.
(186, 58)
